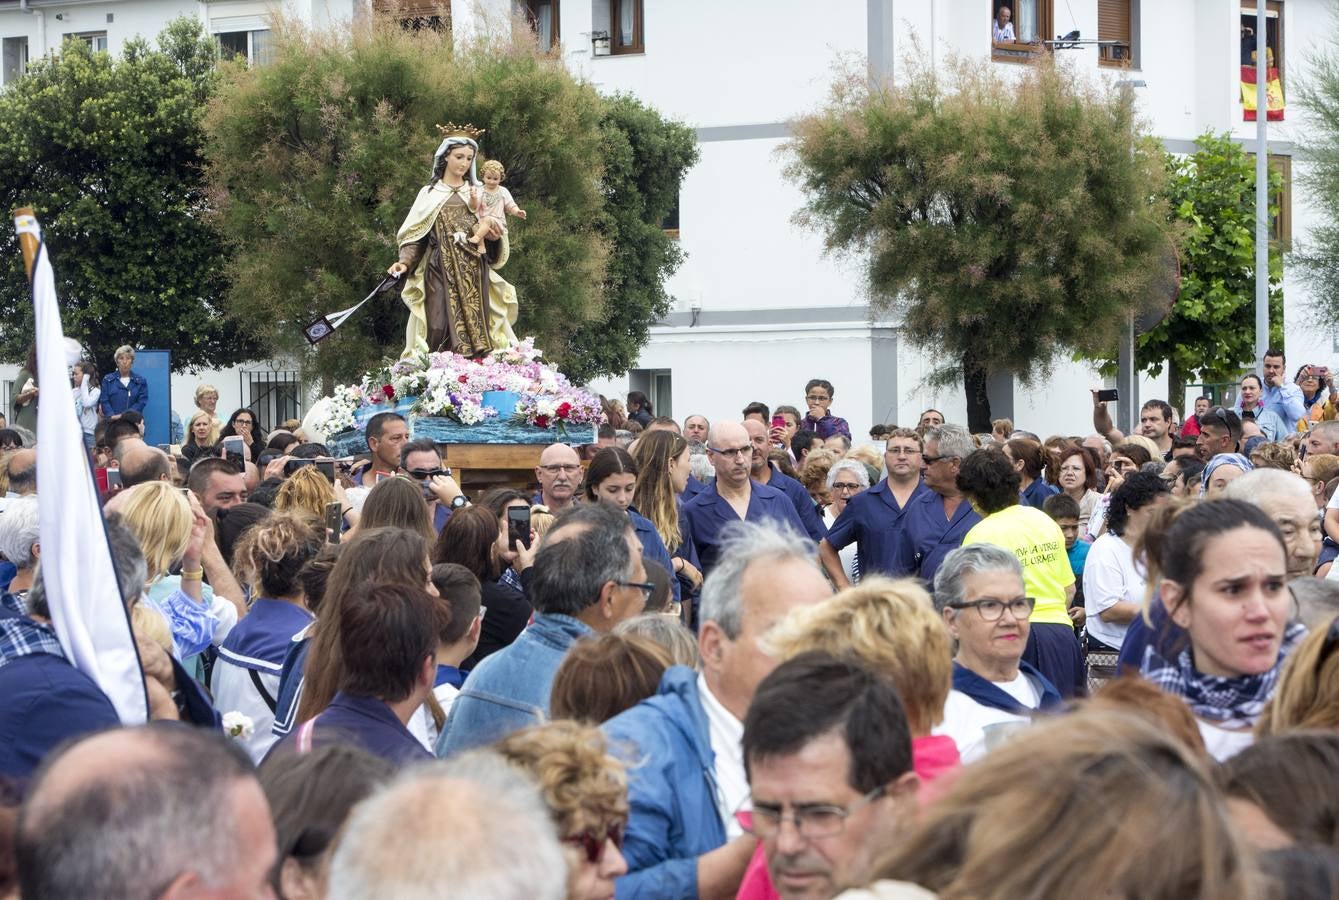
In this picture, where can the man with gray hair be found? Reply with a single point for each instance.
(148, 787)
(938, 519)
(587, 577)
(471, 828)
(1286, 498)
(686, 778)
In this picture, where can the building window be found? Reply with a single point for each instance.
(1018, 27)
(274, 396)
(96, 40)
(657, 385)
(256, 47)
(1273, 36)
(14, 61)
(543, 18)
(1115, 32)
(625, 26)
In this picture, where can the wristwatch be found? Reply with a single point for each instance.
(458, 501)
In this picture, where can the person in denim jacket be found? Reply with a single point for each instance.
(587, 577)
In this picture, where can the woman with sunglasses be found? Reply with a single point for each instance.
(979, 592)
(243, 424)
(586, 792)
(1221, 572)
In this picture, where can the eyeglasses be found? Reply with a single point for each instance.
(646, 587)
(991, 609)
(593, 842)
(816, 821)
(561, 467)
(733, 451)
(425, 474)
(931, 460)
(902, 451)
(816, 398)
(845, 486)
(243, 422)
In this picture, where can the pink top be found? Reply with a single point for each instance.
(933, 757)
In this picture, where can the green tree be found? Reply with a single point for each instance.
(1210, 332)
(1316, 96)
(1006, 220)
(317, 157)
(108, 152)
(645, 160)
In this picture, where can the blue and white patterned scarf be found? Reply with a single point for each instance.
(1226, 702)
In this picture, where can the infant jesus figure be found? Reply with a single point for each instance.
(494, 203)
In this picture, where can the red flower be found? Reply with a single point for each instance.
(388, 391)
(564, 410)
(542, 421)
(463, 379)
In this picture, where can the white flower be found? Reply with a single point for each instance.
(470, 413)
(238, 725)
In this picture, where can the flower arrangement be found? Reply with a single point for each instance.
(453, 386)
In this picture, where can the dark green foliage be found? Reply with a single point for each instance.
(1210, 333)
(1006, 221)
(1316, 97)
(318, 156)
(645, 160)
(107, 151)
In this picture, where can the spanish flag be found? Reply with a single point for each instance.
(1273, 93)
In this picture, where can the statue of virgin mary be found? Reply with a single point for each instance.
(456, 299)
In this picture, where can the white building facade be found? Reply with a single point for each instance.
(759, 308)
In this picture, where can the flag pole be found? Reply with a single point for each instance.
(27, 237)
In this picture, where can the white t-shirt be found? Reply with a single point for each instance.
(1333, 502)
(976, 728)
(422, 725)
(727, 735)
(1110, 576)
(1223, 743)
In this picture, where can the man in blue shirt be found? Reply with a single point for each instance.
(874, 519)
(938, 519)
(762, 471)
(1281, 396)
(588, 576)
(733, 496)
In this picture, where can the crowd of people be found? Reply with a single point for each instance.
(753, 658)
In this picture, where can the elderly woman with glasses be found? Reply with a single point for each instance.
(979, 592)
(123, 389)
(586, 791)
(846, 479)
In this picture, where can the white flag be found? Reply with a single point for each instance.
(87, 609)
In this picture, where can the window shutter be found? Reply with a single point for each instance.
(1113, 20)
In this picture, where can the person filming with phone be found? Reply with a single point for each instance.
(421, 461)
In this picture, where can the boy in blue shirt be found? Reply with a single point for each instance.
(1064, 511)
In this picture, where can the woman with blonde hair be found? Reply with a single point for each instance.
(1140, 815)
(664, 466)
(172, 529)
(269, 557)
(202, 435)
(305, 492)
(586, 791)
(1307, 695)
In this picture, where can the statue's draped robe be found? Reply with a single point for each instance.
(456, 301)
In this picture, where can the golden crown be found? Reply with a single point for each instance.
(451, 129)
